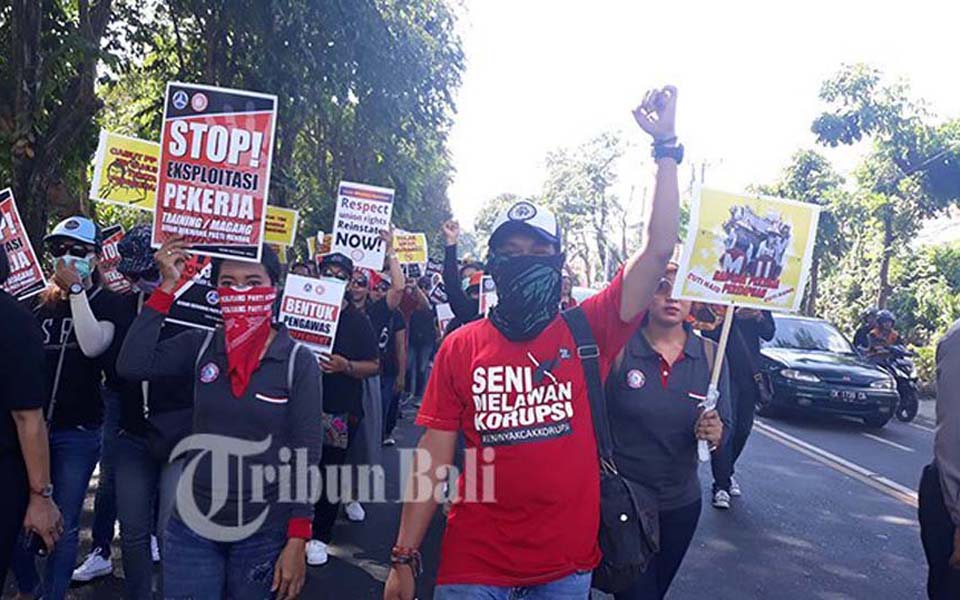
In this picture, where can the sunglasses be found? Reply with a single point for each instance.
(336, 274)
(59, 249)
(360, 282)
(383, 287)
(664, 287)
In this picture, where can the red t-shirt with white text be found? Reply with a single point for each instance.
(528, 402)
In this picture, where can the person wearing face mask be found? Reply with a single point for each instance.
(354, 357)
(653, 402)
(154, 416)
(513, 383)
(78, 318)
(234, 534)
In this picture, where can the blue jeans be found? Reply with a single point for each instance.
(571, 587)
(196, 568)
(105, 503)
(389, 400)
(73, 455)
(418, 361)
(144, 480)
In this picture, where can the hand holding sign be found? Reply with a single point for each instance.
(170, 259)
(710, 428)
(657, 113)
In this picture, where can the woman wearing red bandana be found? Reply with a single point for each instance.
(257, 406)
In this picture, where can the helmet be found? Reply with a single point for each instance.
(77, 228)
(870, 313)
(886, 315)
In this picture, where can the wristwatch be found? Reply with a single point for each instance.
(76, 288)
(45, 492)
(668, 149)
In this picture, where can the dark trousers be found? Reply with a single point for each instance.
(390, 402)
(105, 502)
(13, 505)
(334, 489)
(677, 527)
(723, 461)
(936, 533)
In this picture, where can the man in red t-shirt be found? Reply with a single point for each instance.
(526, 514)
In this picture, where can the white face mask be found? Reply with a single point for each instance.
(83, 266)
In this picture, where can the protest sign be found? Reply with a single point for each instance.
(362, 212)
(125, 171)
(411, 248)
(750, 251)
(434, 266)
(438, 293)
(110, 260)
(26, 277)
(310, 309)
(444, 316)
(216, 146)
(319, 245)
(197, 303)
(412, 271)
(281, 226)
(488, 294)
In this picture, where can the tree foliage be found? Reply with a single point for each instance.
(365, 88)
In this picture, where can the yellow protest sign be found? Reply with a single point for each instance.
(281, 226)
(411, 248)
(125, 171)
(747, 251)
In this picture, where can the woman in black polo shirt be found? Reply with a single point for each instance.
(654, 393)
(240, 524)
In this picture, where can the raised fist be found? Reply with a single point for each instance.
(657, 113)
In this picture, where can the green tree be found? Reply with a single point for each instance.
(811, 178)
(914, 170)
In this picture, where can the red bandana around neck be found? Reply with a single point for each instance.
(246, 327)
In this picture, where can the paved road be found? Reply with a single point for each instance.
(828, 513)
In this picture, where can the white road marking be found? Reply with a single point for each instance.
(922, 428)
(877, 438)
(875, 480)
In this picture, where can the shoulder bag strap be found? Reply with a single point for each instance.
(589, 353)
(292, 365)
(56, 376)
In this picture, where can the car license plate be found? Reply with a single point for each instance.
(848, 396)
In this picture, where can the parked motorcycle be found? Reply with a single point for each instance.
(897, 362)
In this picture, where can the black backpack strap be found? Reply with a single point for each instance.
(589, 354)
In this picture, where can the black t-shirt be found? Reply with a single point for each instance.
(78, 401)
(386, 323)
(164, 394)
(355, 341)
(422, 331)
(23, 377)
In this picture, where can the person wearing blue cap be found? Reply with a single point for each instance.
(514, 384)
(78, 318)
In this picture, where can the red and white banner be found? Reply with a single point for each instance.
(26, 277)
(362, 212)
(310, 308)
(215, 152)
(110, 260)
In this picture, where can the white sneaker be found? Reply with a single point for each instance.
(721, 499)
(316, 553)
(94, 566)
(735, 488)
(154, 549)
(355, 512)
(389, 442)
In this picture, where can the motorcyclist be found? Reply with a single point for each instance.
(883, 336)
(868, 321)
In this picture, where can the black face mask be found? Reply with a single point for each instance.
(528, 292)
